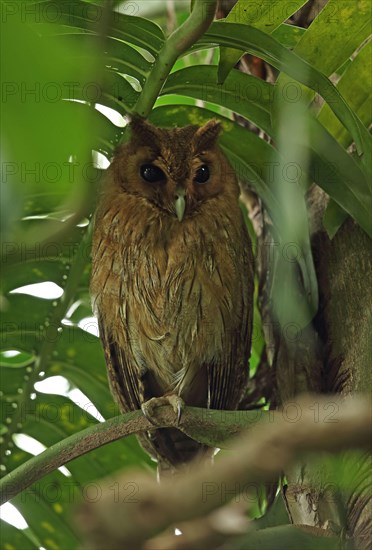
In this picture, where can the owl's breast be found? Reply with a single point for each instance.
(172, 296)
(181, 299)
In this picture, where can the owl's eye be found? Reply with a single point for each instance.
(202, 174)
(152, 173)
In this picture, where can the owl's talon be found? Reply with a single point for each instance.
(179, 412)
(149, 406)
(147, 411)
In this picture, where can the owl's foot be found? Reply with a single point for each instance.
(148, 408)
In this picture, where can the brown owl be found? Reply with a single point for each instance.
(172, 279)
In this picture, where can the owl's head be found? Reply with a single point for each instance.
(177, 170)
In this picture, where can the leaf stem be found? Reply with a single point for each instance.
(178, 42)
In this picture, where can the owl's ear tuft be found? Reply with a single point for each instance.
(206, 136)
(143, 133)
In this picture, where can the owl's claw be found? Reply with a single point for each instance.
(174, 400)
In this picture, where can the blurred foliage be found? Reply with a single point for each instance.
(62, 63)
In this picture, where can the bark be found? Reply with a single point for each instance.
(344, 266)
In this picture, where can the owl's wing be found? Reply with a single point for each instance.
(228, 375)
(123, 377)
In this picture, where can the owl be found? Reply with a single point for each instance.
(172, 280)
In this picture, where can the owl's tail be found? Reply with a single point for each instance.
(173, 450)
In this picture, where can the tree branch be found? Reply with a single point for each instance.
(207, 426)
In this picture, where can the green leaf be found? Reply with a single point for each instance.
(16, 362)
(49, 130)
(119, 57)
(12, 379)
(90, 17)
(24, 316)
(332, 37)
(288, 35)
(352, 85)
(118, 94)
(241, 93)
(19, 250)
(45, 507)
(79, 358)
(273, 52)
(339, 174)
(333, 219)
(36, 272)
(13, 538)
(276, 515)
(263, 15)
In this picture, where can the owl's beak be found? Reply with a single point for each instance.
(180, 203)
